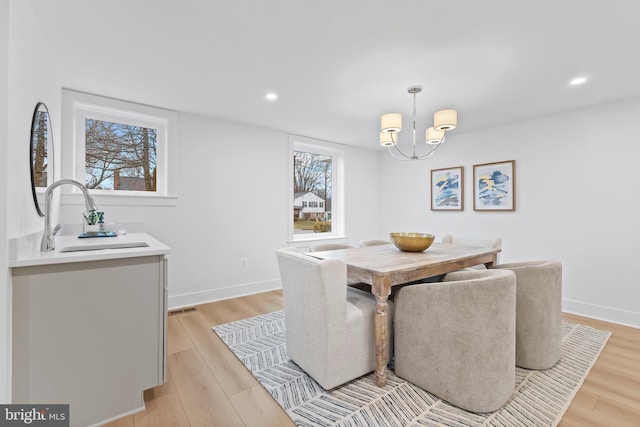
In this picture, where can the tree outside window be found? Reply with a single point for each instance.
(122, 150)
(39, 152)
(312, 182)
(119, 156)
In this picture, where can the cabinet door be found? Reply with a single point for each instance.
(89, 334)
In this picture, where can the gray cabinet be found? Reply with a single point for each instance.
(91, 334)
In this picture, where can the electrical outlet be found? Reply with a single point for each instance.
(244, 262)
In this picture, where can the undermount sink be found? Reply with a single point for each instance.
(99, 246)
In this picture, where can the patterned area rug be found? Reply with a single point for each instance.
(540, 397)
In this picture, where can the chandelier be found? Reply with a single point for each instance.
(391, 125)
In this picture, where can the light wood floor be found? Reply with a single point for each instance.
(208, 386)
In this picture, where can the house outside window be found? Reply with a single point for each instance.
(316, 190)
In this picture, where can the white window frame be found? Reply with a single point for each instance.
(78, 106)
(300, 143)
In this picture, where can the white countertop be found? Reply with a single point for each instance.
(31, 257)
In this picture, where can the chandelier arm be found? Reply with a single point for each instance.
(395, 144)
(430, 153)
(395, 156)
(414, 157)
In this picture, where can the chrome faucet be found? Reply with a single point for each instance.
(48, 242)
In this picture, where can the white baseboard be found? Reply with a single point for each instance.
(189, 300)
(608, 314)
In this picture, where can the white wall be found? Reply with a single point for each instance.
(29, 77)
(576, 183)
(232, 204)
(233, 190)
(32, 78)
(4, 133)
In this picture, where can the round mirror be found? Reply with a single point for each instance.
(40, 151)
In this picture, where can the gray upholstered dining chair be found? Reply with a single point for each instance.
(373, 242)
(538, 312)
(329, 247)
(456, 338)
(351, 281)
(487, 242)
(329, 326)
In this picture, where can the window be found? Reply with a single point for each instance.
(316, 169)
(121, 148)
(119, 156)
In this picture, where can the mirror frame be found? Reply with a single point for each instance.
(41, 108)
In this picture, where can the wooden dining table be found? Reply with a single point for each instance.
(386, 266)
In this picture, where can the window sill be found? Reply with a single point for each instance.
(105, 199)
(305, 241)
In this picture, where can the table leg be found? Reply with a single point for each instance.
(492, 262)
(381, 290)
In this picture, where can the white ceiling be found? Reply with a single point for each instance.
(337, 65)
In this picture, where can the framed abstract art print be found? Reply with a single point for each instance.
(447, 189)
(494, 186)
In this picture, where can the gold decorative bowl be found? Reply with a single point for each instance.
(412, 242)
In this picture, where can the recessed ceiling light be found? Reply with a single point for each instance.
(271, 96)
(578, 81)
